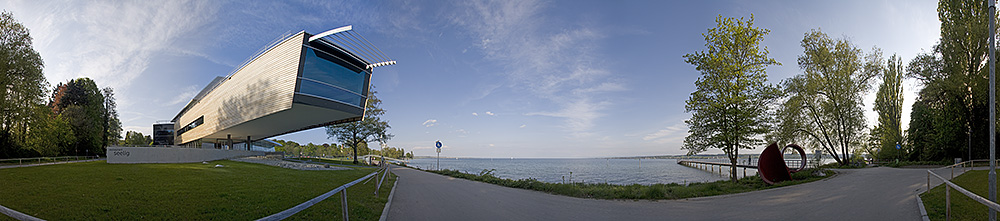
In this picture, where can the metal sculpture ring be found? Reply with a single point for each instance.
(772, 167)
(802, 156)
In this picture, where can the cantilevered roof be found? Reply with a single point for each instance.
(345, 38)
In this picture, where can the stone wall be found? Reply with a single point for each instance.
(172, 154)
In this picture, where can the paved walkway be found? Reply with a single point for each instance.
(858, 194)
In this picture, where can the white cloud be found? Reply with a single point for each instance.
(184, 95)
(672, 134)
(112, 42)
(559, 64)
(430, 123)
(523, 126)
(490, 113)
(475, 114)
(491, 145)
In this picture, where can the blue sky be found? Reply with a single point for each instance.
(487, 78)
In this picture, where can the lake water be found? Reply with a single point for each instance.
(593, 170)
(590, 170)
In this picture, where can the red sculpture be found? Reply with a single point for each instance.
(771, 164)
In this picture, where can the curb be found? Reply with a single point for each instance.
(385, 211)
(923, 212)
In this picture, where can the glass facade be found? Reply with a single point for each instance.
(328, 77)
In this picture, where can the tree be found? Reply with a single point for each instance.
(23, 86)
(90, 113)
(369, 129)
(951, 110)
(730, 108)
(823, 104)
(112, 126)
(50, 135)
(889, 107)
(134, 138)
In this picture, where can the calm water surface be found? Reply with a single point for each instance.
(614, 171)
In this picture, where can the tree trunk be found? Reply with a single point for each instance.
(355, 147)
(732, 160)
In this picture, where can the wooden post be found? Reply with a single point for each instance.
(947, 202)
(343, 203)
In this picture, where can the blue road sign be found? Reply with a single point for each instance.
(438, 144)
(897, 147)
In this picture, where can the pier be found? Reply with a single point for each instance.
(717, 167)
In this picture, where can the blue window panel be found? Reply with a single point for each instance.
(321, 68)
(326, 91)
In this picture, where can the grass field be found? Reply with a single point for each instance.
(962, 207)
(195, 191)
(636, 191)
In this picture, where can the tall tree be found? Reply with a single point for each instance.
(112, 126)
(83, 104)
(369, 129)
(824, 104)
(23, 85)
(889, 107)
(730, 108)
(951, 110)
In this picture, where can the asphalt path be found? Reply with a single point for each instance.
(855, 194)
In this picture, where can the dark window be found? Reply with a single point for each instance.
(192, 125)
(327, 77)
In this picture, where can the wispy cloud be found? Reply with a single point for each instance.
(523, 126)
(430, 123)
(184, 95)
(475, 114)
(672, 134)
(490, 113)
(559, 64)
(112, 42)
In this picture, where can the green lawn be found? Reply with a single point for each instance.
(238, 191)
(962, 207)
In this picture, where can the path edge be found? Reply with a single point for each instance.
(385, 211)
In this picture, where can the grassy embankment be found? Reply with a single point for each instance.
(193, 191)
(636, 191)
(962, 207)
(347, 161)
(917, 163)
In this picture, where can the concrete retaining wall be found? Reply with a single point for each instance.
(172, 154)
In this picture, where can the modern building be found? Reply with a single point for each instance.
(163, 134)
(300, 82)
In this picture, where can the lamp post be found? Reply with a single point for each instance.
(993, 100)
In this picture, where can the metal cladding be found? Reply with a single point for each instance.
(299, 82)
(772, 164)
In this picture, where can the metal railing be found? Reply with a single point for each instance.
(39, 160)
(949, 185)
(711, 166)
(343, 196)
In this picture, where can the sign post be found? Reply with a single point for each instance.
(993, 109)
(438, 144)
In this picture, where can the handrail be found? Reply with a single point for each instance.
(21, 161)
(949, 185)
(298, 208)
(714, 163)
